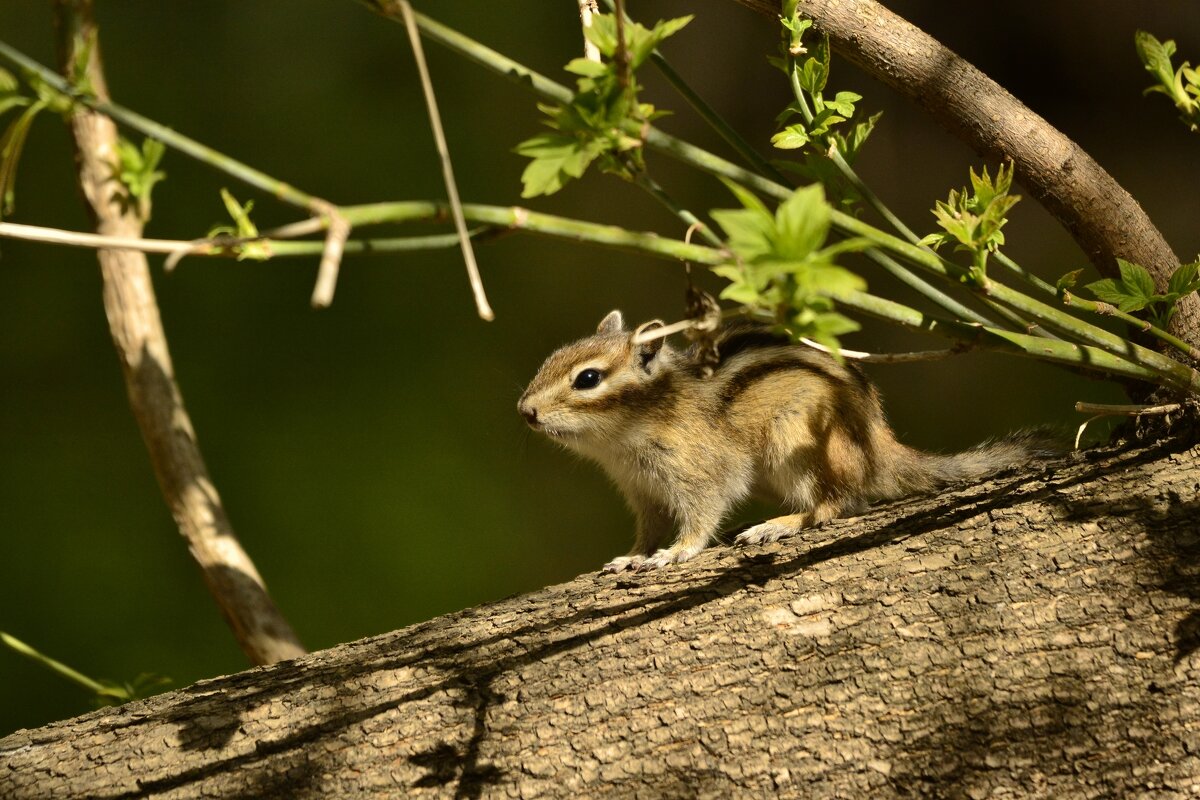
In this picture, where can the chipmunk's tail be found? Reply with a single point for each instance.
(923, 472)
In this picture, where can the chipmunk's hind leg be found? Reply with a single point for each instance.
(776, 528)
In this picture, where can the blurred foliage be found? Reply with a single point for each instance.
(370, 454)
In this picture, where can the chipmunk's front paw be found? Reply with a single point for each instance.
(622, 563)
(763, 533)
(668, 556)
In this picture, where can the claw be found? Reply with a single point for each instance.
(666, 557)
(623, 563)
(763, 533)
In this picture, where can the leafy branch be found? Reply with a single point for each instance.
(777, 267)
(594, 125)
(1182, 85)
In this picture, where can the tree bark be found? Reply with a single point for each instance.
(1035, 634)
(1104, 219)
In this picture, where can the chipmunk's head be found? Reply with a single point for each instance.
(592, 390)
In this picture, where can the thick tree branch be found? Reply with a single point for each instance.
(1103, 218)
(133, 317)
(1036, 634)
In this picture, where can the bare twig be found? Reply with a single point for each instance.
(331, 257)
(261, 630)
(624, 73)
(1101, 410)
(889, 358)
(435, 122)
(1126, 410)
(586, 9)
(35, 233)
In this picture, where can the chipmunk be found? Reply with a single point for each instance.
(774, 418)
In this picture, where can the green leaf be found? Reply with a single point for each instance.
(802, 222)
(748, 199)
(556, 158)
(1156, 56)
(137, 170)
(791, 138)
(843, 103)
(834, 281)
(1114, 292)
(974, 220)
(814, 71)
(1136, 280)
(850, 144)
(11, 145)
(586, 67)
(1184, 280)
(1069, 280)
(740, 293)
(244, 227)
(748, 232)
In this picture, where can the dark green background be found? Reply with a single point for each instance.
(369, 454)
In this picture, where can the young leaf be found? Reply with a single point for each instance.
(138, 172)
(1184, 280)
(791, 138)
(1136, 279)
(1111, 291)
(1069, 280)
(11, 145)
(802, 222)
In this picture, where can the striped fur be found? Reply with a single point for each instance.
(774, 419)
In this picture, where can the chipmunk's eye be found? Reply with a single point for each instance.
(588, 379)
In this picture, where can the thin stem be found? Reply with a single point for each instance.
(1072, 300)
(62, 669)
(482, 307)
(495, 217)
(1024, 274)
(715, 121)
(1060, 352)
(915, 283)
(222, 248)
(687, 217)
(1049, 316)
(889, 358)
(188, 146)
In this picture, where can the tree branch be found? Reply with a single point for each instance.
(1104, 219)
(137, 332)
(1038, 633)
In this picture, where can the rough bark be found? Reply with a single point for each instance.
(1035, 634)
(1104, 219)
(141, 342)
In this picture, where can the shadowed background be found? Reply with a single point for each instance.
(370, 455)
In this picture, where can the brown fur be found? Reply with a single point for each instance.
(774, 419)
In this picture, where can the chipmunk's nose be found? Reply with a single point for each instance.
(528, 412)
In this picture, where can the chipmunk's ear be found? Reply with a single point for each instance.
(612, 323)
(647, 350)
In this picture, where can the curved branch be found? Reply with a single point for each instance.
(1104, 219)
(137, 332)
